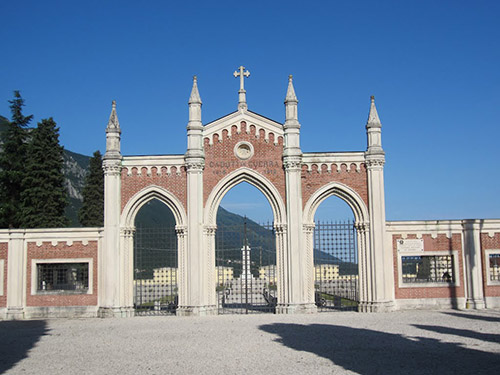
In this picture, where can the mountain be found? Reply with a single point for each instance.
(75, 169)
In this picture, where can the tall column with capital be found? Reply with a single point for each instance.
(377, 267)
(197, 276)
(111, 270)
(295, 283)
(473, 264)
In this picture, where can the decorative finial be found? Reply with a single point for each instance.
(290, 77)
(372, 98)
(113, 103)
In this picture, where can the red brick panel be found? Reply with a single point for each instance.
(175, 183)
(62, 250)
(489, 243)
(4, 250)
(313, 180)
(220, 159)
(440, 243)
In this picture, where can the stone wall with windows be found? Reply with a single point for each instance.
(451, 263)
(49, 272)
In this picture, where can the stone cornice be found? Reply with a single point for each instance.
(333, 160)
(149, 162)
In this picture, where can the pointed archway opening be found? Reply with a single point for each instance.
(336, 260)
(155, 260)
(245, 252)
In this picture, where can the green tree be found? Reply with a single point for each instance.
(43, 195)
(92, 212)
(12, 163)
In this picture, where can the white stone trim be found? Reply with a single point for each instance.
(2, 266)
(430, 303)
(352, 198)
(235, 119)
(244, 174)
(329, 158)
(487, 253)
(34, 273)
(143, 196)
(456, 269)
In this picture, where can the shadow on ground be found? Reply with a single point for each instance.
(474, 316)
(16, 340)
(365, 351)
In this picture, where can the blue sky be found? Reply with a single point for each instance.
(432, 66)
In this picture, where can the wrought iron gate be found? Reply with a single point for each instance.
(335, 266)
(155, 271)
(245, 268)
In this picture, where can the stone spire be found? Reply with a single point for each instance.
(373, 120)
(195, 95)
(194, 106)
(113, 132)
(374, 131)
(194, 126)
(291, 109)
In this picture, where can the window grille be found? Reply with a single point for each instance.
(494, 267)
(63, 277)
(428, 269)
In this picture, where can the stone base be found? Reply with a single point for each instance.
(116, 312)
(475, 304)
(196, 310)
(61, 312)
(14, 313)
(302, 308)
(430, 303)
(492, 302)
(383, 306)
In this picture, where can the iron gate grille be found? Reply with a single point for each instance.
(155, 271)
(245, 268)
(335, 266)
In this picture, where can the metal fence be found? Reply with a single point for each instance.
(155, 271)
(245, 268)
(335, 266)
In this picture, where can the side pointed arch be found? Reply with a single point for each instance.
(342, 191)
(253, 178)
(147, 194)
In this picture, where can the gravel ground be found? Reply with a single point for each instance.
(410, 342)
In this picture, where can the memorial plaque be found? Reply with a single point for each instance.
(410, 245)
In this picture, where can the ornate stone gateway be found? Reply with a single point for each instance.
(245, 258)
(244, 146)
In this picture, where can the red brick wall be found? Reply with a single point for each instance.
(313, 180)
(62, 250)
(4, 249)
(440, 243)
(220, 159)
(489, 243)
(173, 182)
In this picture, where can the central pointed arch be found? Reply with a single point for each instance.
(248, 175)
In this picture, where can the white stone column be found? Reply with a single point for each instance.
(308, 234)
(16, 274)
(378, 261)
(198, 261)
(111, 289)
(182, 281)
(473, 264)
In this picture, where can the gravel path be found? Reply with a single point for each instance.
(410, 342)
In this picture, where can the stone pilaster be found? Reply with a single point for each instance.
(16, 275)
(473, 264)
